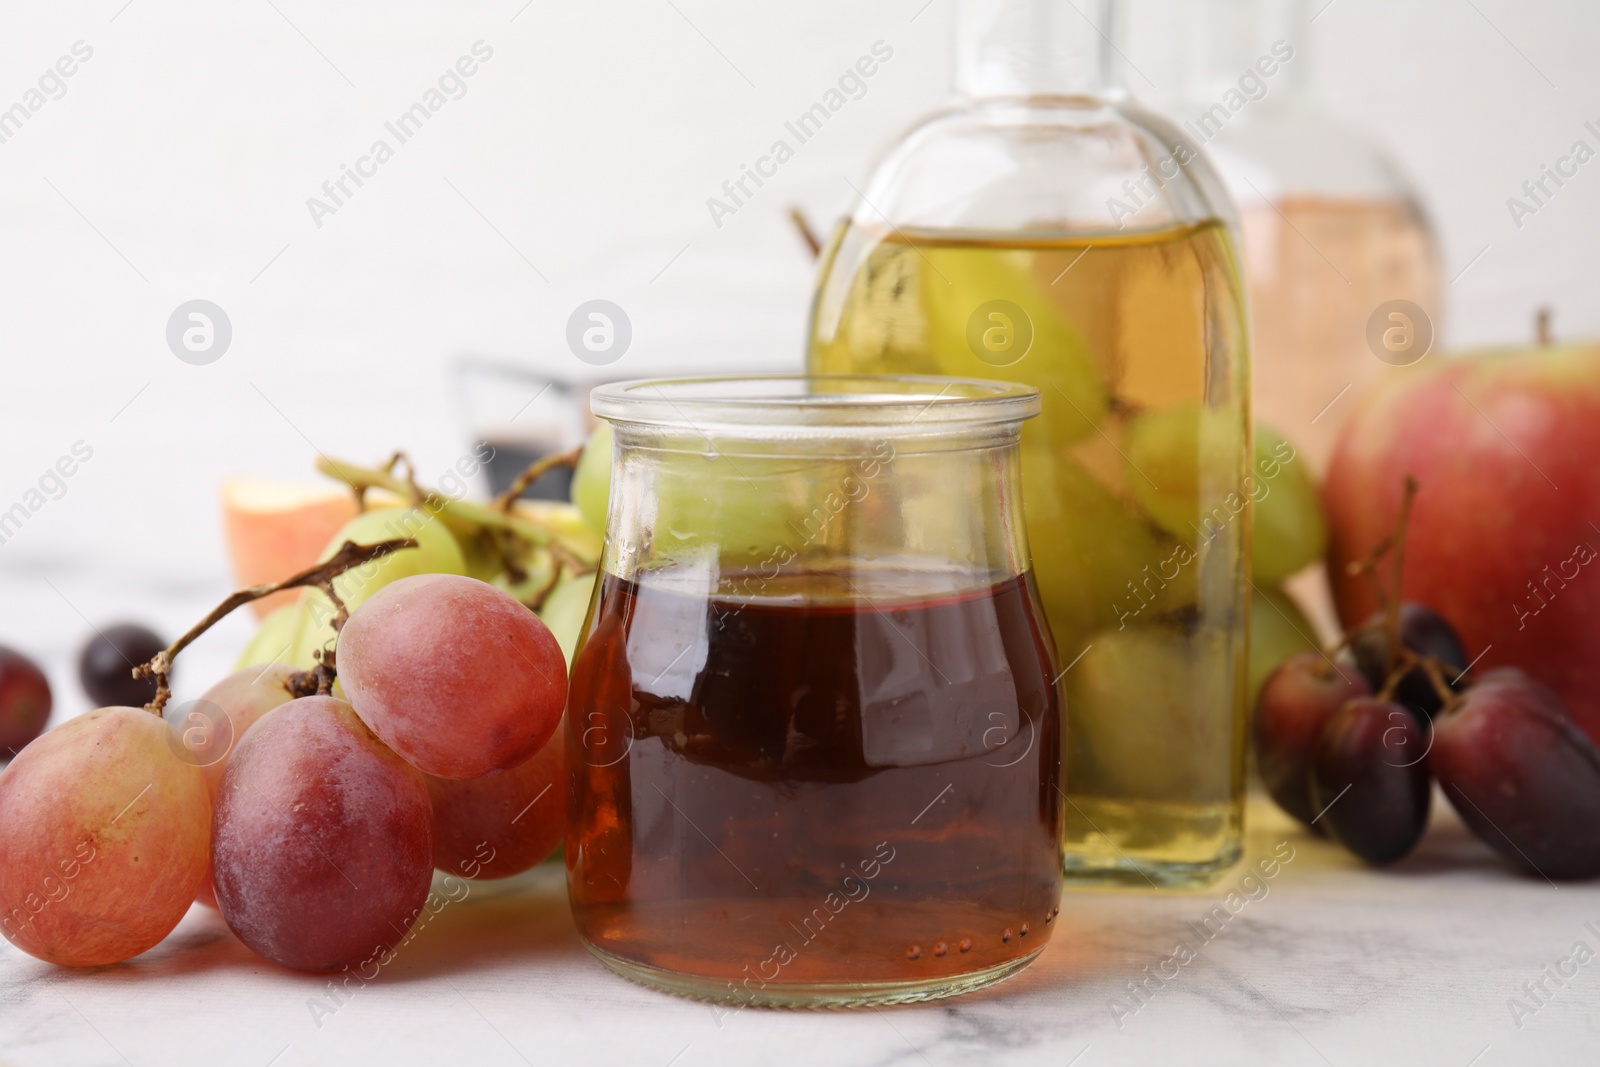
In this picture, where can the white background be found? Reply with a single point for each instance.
(179, 161)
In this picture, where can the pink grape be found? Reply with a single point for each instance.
(503, 823)
(453, 674)
(209, 728)
(322, 842)
(104, 832)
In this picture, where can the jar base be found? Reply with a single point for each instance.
(1146, 874)
(811, 995)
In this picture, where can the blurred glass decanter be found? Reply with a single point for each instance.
(1333, 235)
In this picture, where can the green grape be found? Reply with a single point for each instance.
(1290, 530)
(591, 481)
(437, 552)
(565, 609)
(1278, 630)
(274, 639)
(751, 512)
(1184, 468)
(1142, 715)
(958, 288)
(1100, 562)
(480, 558)
(535, 579)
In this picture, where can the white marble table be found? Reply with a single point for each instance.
(1333, 964)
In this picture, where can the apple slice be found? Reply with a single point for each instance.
(274, 529)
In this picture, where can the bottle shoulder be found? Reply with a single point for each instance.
(1076, 164)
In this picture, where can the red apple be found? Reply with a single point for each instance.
(1504, 539)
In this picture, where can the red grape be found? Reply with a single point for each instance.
(1521, 775)
(105, 666)
(24, 701)
(1425, 632)
(322, 842)
(503, 823)
(103, 839)
(1370, 781)
(1296, 701)
(453, 674)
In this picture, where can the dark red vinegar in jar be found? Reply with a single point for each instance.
(832, 783)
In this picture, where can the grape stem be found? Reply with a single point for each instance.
(364, 478)
(1389, 599)
(1392, 612)
(497, 521)
(1402, 660)
(321, 576)
(807, 234)
(1449, 699)
(536, 470)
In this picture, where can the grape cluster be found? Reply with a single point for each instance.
(308, 821)
(1351, 748)
(400, 716)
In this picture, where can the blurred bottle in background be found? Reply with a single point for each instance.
(522, 415)
(1332, 232)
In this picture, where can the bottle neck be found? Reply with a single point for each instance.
(1023, 48)
(1223, 40)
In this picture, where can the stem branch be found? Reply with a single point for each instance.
(322, 575)
(506, 500)
(465, 510)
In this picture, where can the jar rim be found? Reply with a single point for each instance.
(788, 401)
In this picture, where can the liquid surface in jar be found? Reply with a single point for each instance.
(812, 786)
(1133, 487)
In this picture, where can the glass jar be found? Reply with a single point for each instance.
(813, 728)
(1046, 230)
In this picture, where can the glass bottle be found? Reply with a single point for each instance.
(1332, 231)
(1044, 229)
(813, 740)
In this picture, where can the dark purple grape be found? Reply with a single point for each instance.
(1521, 775)
(1370, 781)
(105, 666)
(1296, 701)
(24, 701)
(1425, 632)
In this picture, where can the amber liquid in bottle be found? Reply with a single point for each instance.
(832, 790)
(1126, 335)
